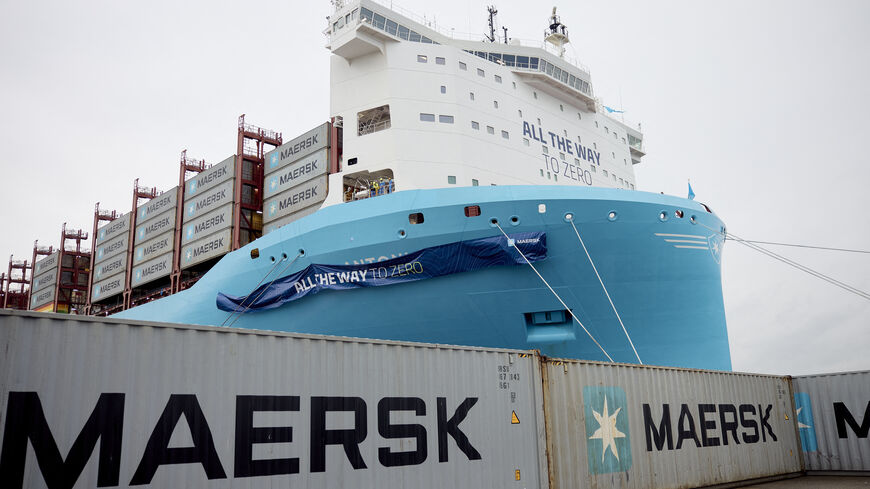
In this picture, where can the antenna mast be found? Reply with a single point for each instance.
(492, 11)
(557, 34)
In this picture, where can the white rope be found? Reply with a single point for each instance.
(571, 220)
(513, 243)
(787, 261)
(262, 291)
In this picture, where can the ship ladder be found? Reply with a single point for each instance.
(513, 243)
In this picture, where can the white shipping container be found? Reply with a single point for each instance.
(88, 402)
(631, 426)
(833, 415)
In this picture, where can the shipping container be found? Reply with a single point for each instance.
(296, 173)
(156, 206)
(297, 148)
(209, 178)
(207, 224)
(46, 264)
(113, 228)
(307, 194)
(631, 426)
(154, 227)
(208, 200)
(185, 406)
(833, 415)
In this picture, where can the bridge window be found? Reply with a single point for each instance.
(463, 66)
(445, 119)
(422, 58)
(427, 117)
(439, 61)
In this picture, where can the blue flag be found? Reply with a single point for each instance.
(691, 193)
(462, 256)
(611, 110)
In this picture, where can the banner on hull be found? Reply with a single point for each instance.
(436, 261)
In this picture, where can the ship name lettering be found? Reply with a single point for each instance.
(297, 172)
(108, 423)
(211, 199)
(305, 143)
(210, 223)
(730, 418)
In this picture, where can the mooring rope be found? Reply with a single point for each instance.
(513, 243)
(570, 218)
(262, 291)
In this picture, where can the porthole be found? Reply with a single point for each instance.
(663, 216)
(283, 256)
(569, 217)
(401, 233)
(694, 220)
(515, 220)
(493, 222)
(301, 252)
(678, 213)
(612, 215)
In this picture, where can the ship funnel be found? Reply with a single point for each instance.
(557, 34)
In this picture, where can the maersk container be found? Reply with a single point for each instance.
(634, 426)
(88, 402)
(833, 415)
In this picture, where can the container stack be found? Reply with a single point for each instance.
(44, 286)
(110, 258)
(154, 240)
(207, 228)
(295, 182)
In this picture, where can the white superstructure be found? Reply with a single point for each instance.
(420, 109)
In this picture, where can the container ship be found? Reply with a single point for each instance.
(467, 192)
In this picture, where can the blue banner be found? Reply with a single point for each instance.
(463, 256)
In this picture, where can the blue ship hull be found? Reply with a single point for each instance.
(662, 272)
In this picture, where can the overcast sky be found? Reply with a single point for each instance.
(764, 105)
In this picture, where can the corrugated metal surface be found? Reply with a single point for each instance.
(174, 405)
(628, 426)
(834, 420)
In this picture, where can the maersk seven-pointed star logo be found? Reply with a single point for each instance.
(716, 243)
(608, 442)
(272, 208)
(273, 162)
(805, 421)
(273, 182)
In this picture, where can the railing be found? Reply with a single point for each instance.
(373, 127)
(432, 24)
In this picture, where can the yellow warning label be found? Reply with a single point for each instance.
(515, 420)
(517, 474)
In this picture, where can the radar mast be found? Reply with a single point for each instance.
(557, 34)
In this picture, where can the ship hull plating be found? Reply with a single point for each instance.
(662, 272)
